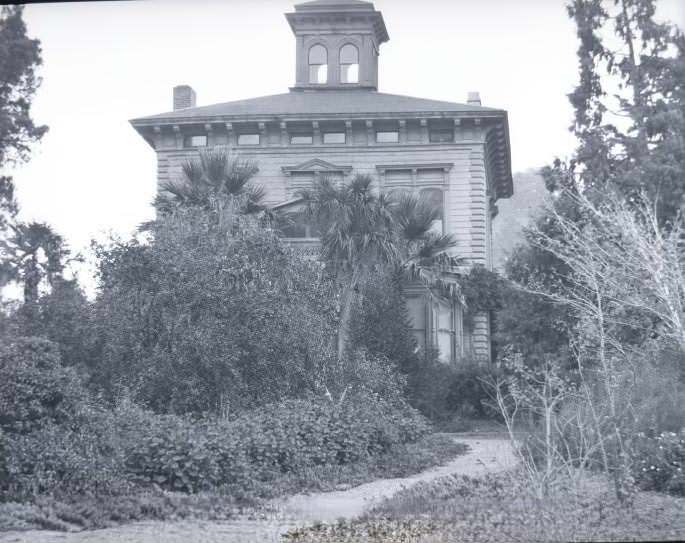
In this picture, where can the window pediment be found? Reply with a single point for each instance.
(316, 166)
(302, 176)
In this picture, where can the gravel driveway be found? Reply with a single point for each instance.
(485, 456)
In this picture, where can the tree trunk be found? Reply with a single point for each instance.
(346, 302)
(31, 281)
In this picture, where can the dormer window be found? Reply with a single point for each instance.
(349, 64)
(318, 65)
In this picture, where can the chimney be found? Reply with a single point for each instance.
(184, 97)
(473, 99)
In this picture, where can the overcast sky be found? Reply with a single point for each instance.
(107, 62)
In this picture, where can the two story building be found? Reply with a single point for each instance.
(333, 122)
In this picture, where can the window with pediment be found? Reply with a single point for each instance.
(303, 176)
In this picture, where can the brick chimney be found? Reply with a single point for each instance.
(184, 97)
(473, 99)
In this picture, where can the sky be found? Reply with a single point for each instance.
(108, 62)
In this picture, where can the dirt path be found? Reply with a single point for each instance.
(485, 456)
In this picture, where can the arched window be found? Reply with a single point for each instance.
(349, 64)
(318, 64)
(435, 198)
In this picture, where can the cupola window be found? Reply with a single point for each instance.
(349, 64)
(318, 65)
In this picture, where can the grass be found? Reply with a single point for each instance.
(498, 508)
(78, 512)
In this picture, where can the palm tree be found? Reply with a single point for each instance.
(362, 231)
(215, 181)
(32, 253)
(425, 255)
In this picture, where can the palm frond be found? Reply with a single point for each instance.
(254, 199)
(433, 244)
(213, 176)
(415, 216)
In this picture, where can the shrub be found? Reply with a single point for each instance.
(288, 437)
(468, 392)
(59, 459)
(199, 316)
(35, 390)
(441, 391)
(174, 455)
(362, 372)
(659, 462)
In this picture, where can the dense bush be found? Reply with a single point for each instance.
(200, 319)
(258, 446)
(469, 393)
(35, 389)
(443, 392)
(659, 462)
(64, 460)
(54, 437)
(174, 454)
(380, 323)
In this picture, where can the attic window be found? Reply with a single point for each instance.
(349, 64)
(195, 141)
(441, 135)
(301, 139)
(318, 65)
(248, 139)
(392, 136)
(334, 137)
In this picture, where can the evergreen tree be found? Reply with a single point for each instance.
(629, 104)
(629, 118)
(20, 56)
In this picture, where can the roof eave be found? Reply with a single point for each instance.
(248, 117)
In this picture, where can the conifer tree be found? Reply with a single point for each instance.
(629, 105)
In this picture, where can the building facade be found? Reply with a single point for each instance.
(333, 122)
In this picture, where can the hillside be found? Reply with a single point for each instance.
(515, 213)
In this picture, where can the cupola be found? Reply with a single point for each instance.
(337, 44)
